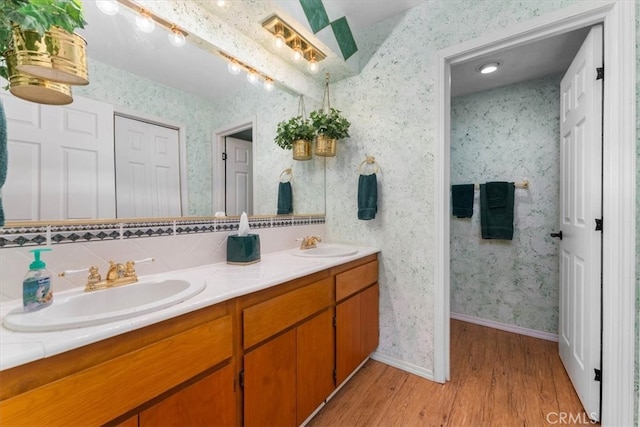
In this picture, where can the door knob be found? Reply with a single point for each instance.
(558, 235)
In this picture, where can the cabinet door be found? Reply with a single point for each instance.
(208, 402)
(348, 337)
(315, 363)
(270, 383)
(369, 317)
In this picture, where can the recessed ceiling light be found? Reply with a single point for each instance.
(489, 67)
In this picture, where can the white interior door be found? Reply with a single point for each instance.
(581, 204)
(239, 179)
(147, 169)
(60, 160)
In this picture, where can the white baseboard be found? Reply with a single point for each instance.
(405, 366)
(504, 327)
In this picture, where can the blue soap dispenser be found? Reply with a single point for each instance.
(36, 287)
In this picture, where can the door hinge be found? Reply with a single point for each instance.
(224, 157)
(598, 376)
(241, 379)
(335, 376)
(599, 73)
(335, 322)
(598, 224)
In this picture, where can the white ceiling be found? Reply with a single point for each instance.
(191, 70)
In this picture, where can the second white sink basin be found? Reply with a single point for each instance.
(107, 305)
(326, 250)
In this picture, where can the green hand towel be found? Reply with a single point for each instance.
(462, 200)
(496, 210)
(367, 196)
(285, 199)
(4, 157)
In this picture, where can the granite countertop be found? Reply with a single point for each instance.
(223, 282)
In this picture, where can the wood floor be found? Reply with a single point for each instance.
(497, 379)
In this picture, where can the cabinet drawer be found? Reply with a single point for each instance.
(96, 395)
(270, 317)
(352, 281)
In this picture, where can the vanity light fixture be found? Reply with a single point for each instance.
(285, 35)
(253, 75)
(234, 68)
(176, 36)
(145, 22)
(489, 67)
(108, 7)
(222, 4)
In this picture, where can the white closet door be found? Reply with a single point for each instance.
(60, 160)
(147, 169)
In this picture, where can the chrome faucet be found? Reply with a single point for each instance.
(310, 242)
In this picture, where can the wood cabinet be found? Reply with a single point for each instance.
(209, 401)
(357, 318)
(269, 358)
(288, 375)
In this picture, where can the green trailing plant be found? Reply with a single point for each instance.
(38, 16)
(293, 129)
(331, 124)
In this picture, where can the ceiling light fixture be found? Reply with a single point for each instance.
(279, 41)
(313, 65)
(176, 36)
(298, 54)
(145, 22)
(108, 7)
(489, 67)
(285, 35)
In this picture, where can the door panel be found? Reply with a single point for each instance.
(581, 195)
(239, 178)
(147, 169)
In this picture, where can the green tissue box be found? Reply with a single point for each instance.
(243, 250)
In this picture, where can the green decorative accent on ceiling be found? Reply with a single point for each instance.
(316, 14)
(344, 37)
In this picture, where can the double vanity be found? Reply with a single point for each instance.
(264, 344)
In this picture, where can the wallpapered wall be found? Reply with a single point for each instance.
(392, 105)
(202, 119)
(507, 134)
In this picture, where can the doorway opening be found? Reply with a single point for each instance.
(619, 172)
(233, 187)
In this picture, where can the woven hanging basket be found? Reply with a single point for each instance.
(325, 147)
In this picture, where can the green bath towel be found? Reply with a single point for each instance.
(462, 200)
(4, 157)
(367, 196)
(285, 199)
(496, 210)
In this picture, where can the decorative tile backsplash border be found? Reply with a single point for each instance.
(22, 236)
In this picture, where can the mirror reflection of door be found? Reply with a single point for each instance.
(238, 161)
(147, 169)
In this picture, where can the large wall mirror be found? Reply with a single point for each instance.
(183, 97)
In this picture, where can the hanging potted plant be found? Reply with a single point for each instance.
(39, 53)
(329, 128)
(295, 134)
(329, 125)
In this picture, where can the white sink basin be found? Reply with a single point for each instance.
(326, 250)
(102, 306)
